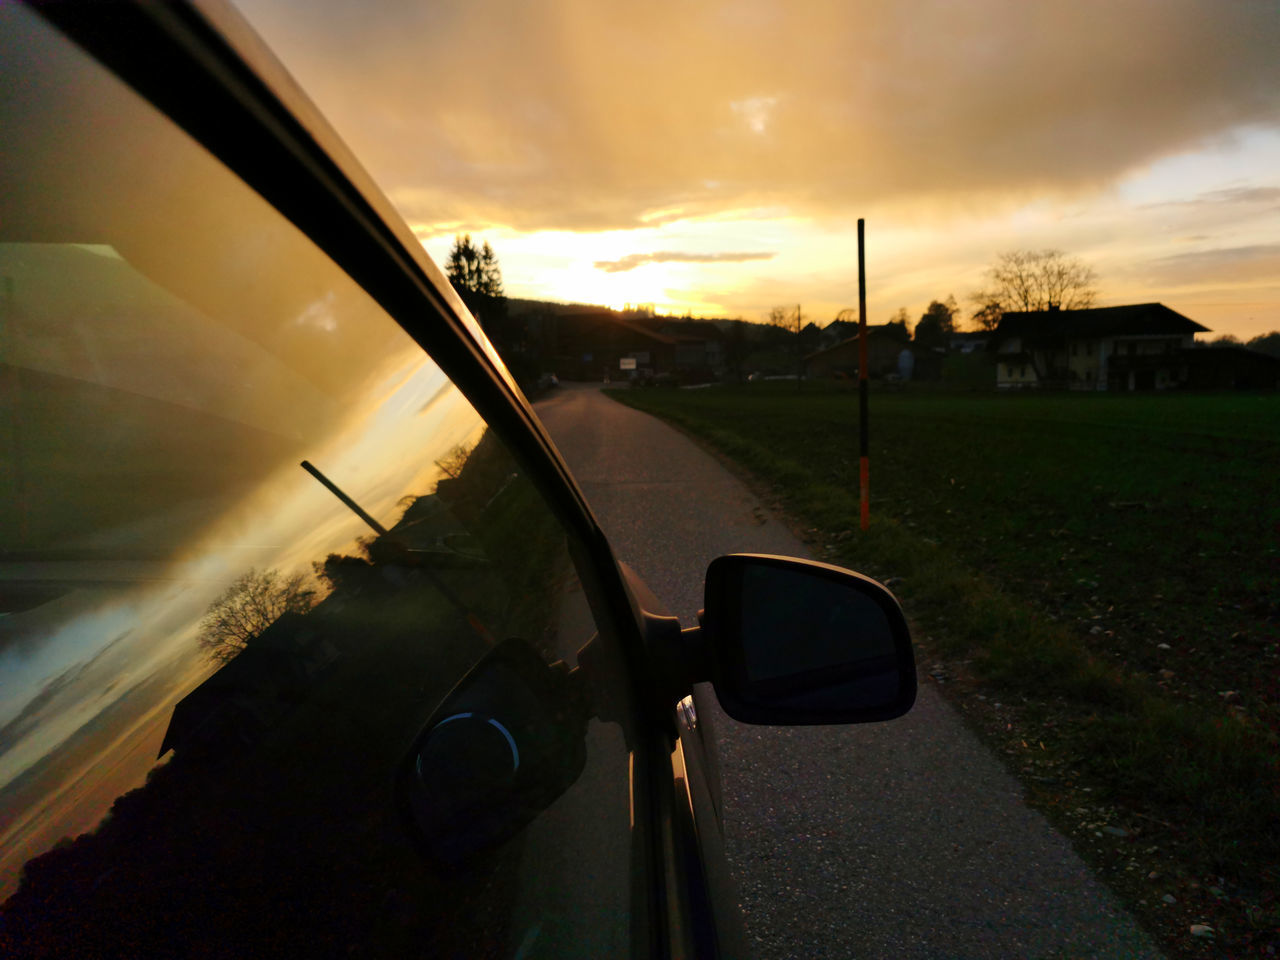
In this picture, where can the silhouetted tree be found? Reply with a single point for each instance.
(1035, 280)
(253, 602)
(490, 274)
(463, 266)
(937, 322)
(453, 462)
(736, 347)
(475, 274)
(784, 319)
(1267, 343)
(902, 318)
(898, 329)
(472, 269)
(988, 313)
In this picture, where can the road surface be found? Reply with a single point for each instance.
(905, 839)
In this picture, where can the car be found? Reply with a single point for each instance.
(311, 644)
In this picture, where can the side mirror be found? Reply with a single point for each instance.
(799, 642)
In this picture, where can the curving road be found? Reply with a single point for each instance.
(906, 839)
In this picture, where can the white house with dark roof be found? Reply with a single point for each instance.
(1137, 347)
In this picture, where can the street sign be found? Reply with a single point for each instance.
(627, 363)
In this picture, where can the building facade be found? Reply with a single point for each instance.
(1137, 347)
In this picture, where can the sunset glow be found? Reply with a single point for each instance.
(715, 160)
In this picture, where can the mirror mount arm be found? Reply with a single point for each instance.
(680, 658)
(696, 653)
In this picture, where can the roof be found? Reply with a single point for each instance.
(880, 332)
(1136, 319)
(691, 330)
(266, 660)
(643, 331)
(599, 320)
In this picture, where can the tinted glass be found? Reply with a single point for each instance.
(794, 622)
(224, 672)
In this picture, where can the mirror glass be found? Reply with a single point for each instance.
(807, 642)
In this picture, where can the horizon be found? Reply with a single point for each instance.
(964, 325)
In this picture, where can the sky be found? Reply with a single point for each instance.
(714, 157)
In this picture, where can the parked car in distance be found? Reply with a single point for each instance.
(310, 643)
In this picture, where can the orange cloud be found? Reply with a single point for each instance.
(633, 260)
(1259, 263)
(575, 114)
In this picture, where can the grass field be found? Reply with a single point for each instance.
(1109, 563)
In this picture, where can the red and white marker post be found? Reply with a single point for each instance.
(864, 460)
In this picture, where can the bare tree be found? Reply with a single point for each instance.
(783, 318)
(247, 607)
(1033, 280)
(454, 460)
(793, 323)
(989, 311)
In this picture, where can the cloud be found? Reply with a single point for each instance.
(1234, 265)
(576, 114)
(1249, 195)
(1233, 196)
(633, 260)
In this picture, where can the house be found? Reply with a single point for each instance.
(969, 341)
(253, 692)
(1225, 367)
(1141, 346)
(884, 345)
(699, 345)
(587, 344)
(836, 331)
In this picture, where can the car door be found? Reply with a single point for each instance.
(309, 643)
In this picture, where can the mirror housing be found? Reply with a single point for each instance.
(792, 641)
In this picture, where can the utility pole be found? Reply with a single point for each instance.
(799, 351)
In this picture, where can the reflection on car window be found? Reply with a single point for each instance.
(257, 557)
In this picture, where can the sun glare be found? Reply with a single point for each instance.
(646, 284)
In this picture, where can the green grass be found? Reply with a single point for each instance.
(1055, 542)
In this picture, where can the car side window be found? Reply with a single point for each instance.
(293, 655)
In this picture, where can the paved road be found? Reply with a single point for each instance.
(905, 839)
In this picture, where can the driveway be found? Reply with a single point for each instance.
(904, 839)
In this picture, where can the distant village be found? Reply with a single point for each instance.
(1145, 346)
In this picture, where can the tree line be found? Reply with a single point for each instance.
(1018, 280)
